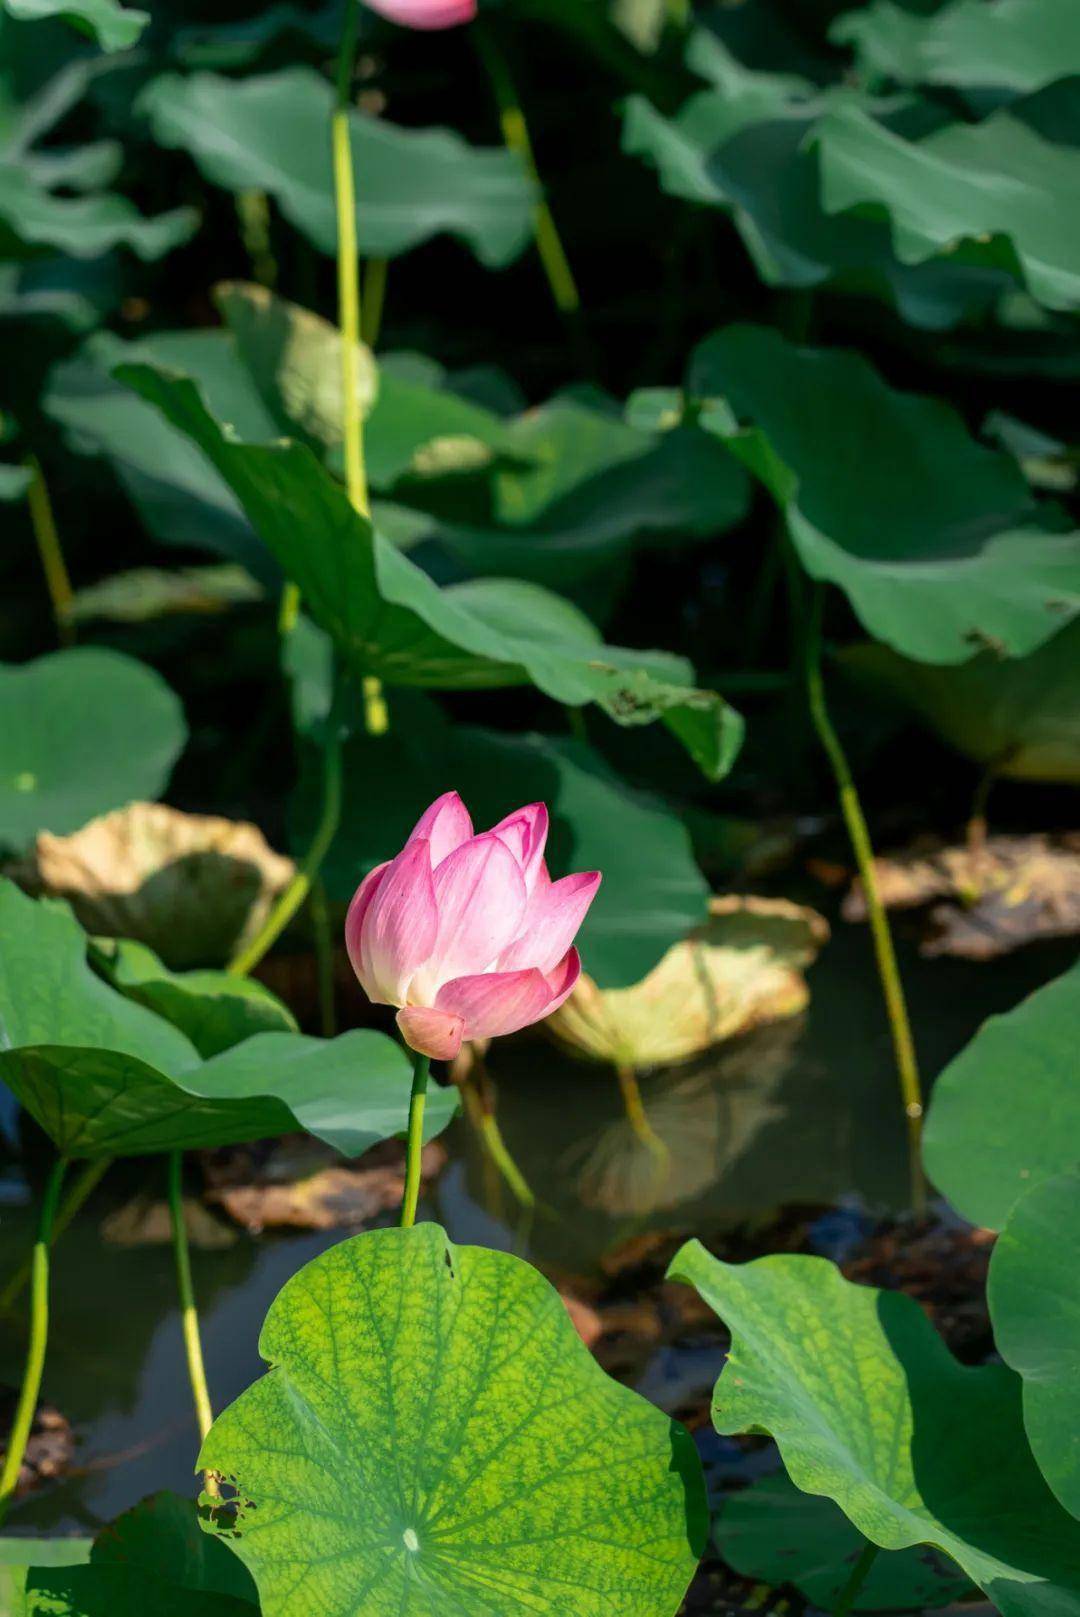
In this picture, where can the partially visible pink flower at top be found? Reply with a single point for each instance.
(468, 935)
(425, 13)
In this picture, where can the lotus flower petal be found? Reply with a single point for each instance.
(525, 833)
(426, 13)
(400, 925)
(434, 1033)
(479, 893)
(552, 920)
(354, 920)
(497, 1001)
(445, 825)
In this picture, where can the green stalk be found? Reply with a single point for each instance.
(80, 1190)
(53, 565)
(414, 1144)
(638, 1119)
(515, 131)
(497, 1149)
(39, 1337)
(298, 889)
(189, 1314)
(859, 1573)
(858, 832)
(348, 265)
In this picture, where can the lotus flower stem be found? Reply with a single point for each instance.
(39, 1336)
(859, 1574)
(414, 1145)
(80, 1190)
(51, 552)
(189, 1314)
(888, 969)
(515, 132)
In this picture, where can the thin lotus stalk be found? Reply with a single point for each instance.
(638, 1118)
(53, 565)
(376, 271)
(189, 1315)
(39, 1337)
(348, 266)
(859, 1574)
(79, 1191)
(414, 1143)
(289, 608)
(499, 1152)
(515, 131)
(298, 889)
(885, 952)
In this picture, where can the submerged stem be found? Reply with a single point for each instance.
(300, 886)
(859, 1574)
(39, 1337)
(189, 1315)
(47, 538)
(414, 1145)
(888, 969)
(638, 1118)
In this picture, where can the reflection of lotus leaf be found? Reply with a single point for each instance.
(193, 887)
(741, 969)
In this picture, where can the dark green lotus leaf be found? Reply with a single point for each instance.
(434, 1437)
(1018, 717)
(115, 27)
(105, 1076)
(1005, 1114)
(271, 132)
(81, 732)
(213, 1008)
(389, 618)
(31, 217)
(652, 892)
(869, 1408)
(180, 497)
(1034, 1293)
(774, 1533)
(1012, 45)
(153, 1559)
(229, 45)
(936, 540)
(19, 1555)
(996, 192)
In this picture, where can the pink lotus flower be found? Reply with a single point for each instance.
(425, 13)
(468, 934)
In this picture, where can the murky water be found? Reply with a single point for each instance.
(803, 1113)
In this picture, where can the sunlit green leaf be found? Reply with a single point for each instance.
(774, 1533)
(936, 540)
(81, 732)
(389, 618)
(869, 1408)
(104, 1076)
(1005, 1114)
(433, 1436)
(272, 132)
(1012, 44)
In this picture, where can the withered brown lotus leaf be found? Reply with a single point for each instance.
(194, 887)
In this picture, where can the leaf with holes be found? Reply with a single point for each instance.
(869, 1408)
(105, 1076)
(81, 732)
(433, 1436)
(1005, 1114)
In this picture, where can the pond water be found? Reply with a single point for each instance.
(804, 1113)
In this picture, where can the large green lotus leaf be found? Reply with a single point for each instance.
(180, 497)
(271, 132)
(19, 1555)
(115, 27)
(652, 892)
(389, 618)
(213, 1008)
(1011, 45)
(1005, 1114)
(81, 732)
(434, 1437)
(1019, 717)
(153, 1559)
(997, 191)
(774, 1533)
(1034, 1294)
(105, 1076)
(935, 539)
(31, 218)
(869, 1408)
